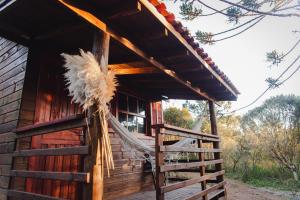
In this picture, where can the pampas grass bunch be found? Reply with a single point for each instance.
(89, 85)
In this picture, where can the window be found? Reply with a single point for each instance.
(132, 113)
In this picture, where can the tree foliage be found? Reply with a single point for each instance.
(276, 123)
(178, 117)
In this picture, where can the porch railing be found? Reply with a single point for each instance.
(67, 123)
(212, 183)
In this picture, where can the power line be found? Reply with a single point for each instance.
(247, 28)
(290, 75)
(271, 13)
(270, 86)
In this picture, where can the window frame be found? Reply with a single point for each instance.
(127, 113)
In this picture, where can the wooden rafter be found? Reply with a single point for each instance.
(136, 70)
(127, 43)
(172, 30)
(127, 12)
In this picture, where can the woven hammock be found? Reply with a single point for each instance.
(132, 141)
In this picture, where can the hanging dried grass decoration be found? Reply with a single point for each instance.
(89, 84)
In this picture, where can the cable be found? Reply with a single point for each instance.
(232, 29)
(225, 38)
(290, 49)
(290, 75)
(216, 12)
(272, 13)
(265, 91)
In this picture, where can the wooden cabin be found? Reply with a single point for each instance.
(45, 151)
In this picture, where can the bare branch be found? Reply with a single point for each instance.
(271, 13)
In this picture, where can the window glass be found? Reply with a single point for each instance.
(132, 104)
(132, 113)
(141, 124)
(123, 119)
(142, 108)
(122, 102)
(132, 123)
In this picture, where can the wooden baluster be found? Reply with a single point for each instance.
(159, 161)
(202, 169)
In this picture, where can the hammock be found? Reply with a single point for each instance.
(131, 140)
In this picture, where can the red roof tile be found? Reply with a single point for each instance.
(170, 17)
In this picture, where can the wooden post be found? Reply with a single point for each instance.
(159, 161)
(95, 161)
(216, 145)
(202, 169)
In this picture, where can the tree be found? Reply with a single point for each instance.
(253, 11)
(178, 117)
(276, 122)
(244, 15)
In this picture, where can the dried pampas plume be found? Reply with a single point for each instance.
(87, 83)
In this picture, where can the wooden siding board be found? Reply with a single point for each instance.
(13, 72)
(10, 98)
(13, 59)
(7, 137)
(7, 147)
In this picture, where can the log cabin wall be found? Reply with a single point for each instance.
(13, 61)
(19, 101)
(128, 176)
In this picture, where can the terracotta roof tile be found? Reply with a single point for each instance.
(170, 17)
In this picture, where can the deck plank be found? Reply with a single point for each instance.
(179, 194)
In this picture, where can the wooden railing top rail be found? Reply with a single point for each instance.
(76, 150)
(64, 176)
(71, 122)
(183, 130)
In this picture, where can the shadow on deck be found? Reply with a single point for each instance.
(180, 194)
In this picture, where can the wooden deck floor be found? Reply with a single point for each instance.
(179, 194)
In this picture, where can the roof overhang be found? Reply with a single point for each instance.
(137, 25)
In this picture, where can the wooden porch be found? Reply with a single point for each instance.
(207, 183)
(180, 194)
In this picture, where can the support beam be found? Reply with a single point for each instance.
(126, 69)
(94, 162)
(214, 131)
(159, 161)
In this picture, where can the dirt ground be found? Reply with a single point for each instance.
(241, 191)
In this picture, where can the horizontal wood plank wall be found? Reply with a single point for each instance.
(26, 114)
(128, 176)
(13, 61)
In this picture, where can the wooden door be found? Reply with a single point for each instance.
(53, 103)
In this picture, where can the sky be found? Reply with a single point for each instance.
(243, 58)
